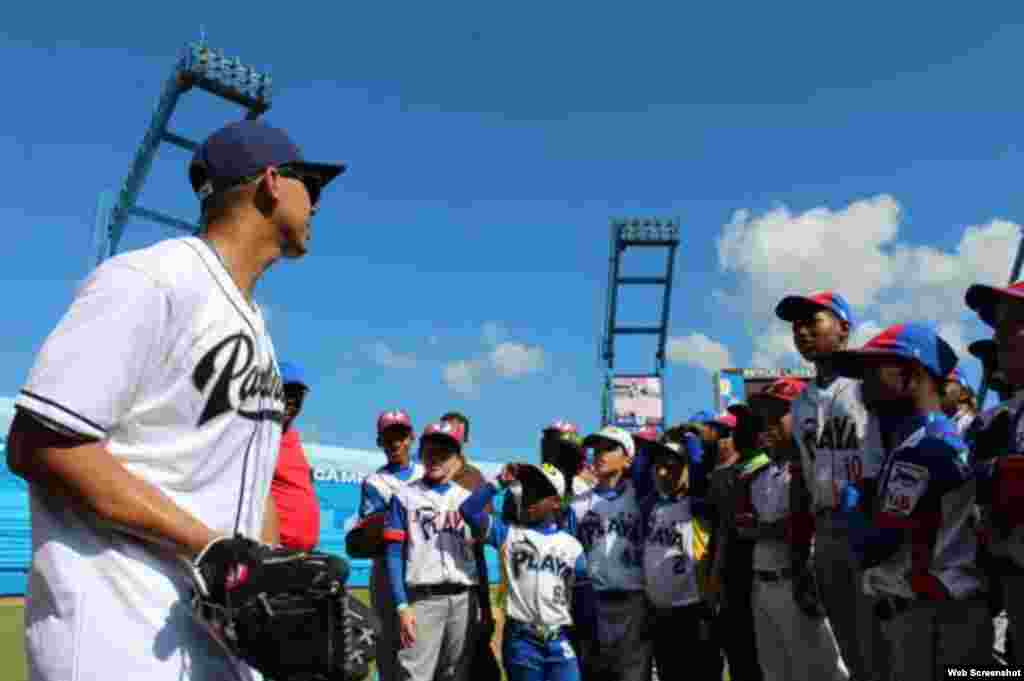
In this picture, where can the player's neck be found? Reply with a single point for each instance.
(245, 256)
(609, 480)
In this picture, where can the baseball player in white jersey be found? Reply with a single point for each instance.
(543, 566)
(149, 425)
(395, 436)
(675, 554)
(794, 640)
(920, 548)
(431, 566)
(608, 524)
(839, 446)
(958, 401)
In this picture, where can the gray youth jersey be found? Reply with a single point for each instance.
(611, 533)
(670, 565)
(839, 440)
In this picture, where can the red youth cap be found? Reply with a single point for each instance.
(562, 427)
(726, 419)
(984, 299)
(396, 417)
(911, 342)
(785, 389)
(450, 430)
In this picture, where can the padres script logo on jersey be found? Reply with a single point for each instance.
(239, 382)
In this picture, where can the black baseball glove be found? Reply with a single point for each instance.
(285, 613)
(806, 593)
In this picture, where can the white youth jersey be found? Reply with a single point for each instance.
(611, 531)
(769, 493)
(384, 484)
(963, 420)
(839, 441)
(161, 357)
(539, 571)
(670, 563)
(438, 542)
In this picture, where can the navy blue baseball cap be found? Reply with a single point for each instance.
(293, 374)
(915, 342)
(246, 148)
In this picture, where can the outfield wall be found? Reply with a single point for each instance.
(338, 473)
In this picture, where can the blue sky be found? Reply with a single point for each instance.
(462, 262)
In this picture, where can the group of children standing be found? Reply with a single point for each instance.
(830, 529)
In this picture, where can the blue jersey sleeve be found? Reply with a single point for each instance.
(395, 528)
(370, 501)
(641, 473)
(584, 600)
(397, 523)
(488, 526)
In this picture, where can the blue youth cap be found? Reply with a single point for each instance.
(702, 417)
(957, 376)
(293, 373)
(794, 308)
(246, 148)
(914, 342)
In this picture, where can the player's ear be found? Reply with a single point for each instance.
(844, 333)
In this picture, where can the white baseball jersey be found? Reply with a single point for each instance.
(609, 525)
(539, 569)
(161, 357)
(379, 487)
(963, 420)
(769, 494)
(927, 491)
(438, 542)
(839, 440)
(671, 552)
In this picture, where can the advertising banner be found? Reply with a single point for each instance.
(637, 401)
(338, 475)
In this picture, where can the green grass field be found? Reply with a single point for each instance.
(12, 648)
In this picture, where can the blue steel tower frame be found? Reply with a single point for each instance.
(648, 233)
(198, 66)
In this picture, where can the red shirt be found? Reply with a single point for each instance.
(298, 511)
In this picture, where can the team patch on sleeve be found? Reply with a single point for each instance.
(906, 485)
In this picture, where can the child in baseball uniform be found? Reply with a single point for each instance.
(543, 565)
(675, 545)
(794, 639)
(920, 549)
(431, 566)
(958, 401)
(395, 436)
(608, 524)
(839, 446)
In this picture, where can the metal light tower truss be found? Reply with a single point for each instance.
(656, 233)
(198, 67)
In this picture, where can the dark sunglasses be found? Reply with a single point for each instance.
(311, 182)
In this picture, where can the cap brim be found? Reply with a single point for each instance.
(533, 478)
(852, 363)
(447, 438)
(324, 172)
(984, 299)
(794, 308)
(591, 440)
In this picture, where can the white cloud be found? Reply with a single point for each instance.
(512, 360)
(382, 354)
(463, 376)
(855, 250)
(698, 350)
(505, 359)
(493, 333)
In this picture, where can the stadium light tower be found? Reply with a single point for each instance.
(637, 233)
(199, 66)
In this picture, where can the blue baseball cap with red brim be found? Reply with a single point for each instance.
(912, 342)
(796, 308)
